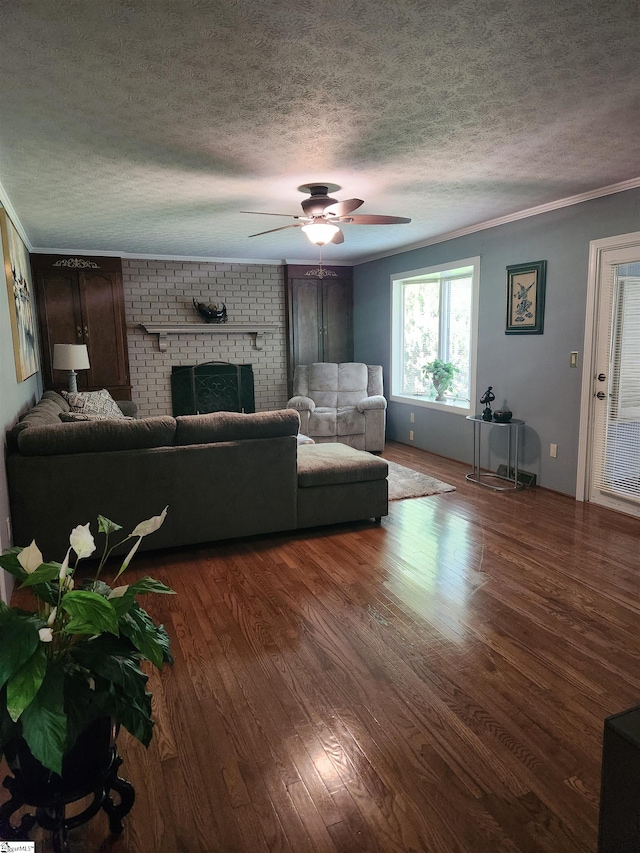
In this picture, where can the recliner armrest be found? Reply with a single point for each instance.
(302, 404)
(375, 402)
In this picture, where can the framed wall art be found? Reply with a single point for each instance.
(21, 304)
(525, 298)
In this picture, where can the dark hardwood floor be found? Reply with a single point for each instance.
(437, 683)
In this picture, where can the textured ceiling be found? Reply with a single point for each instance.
(146, 127)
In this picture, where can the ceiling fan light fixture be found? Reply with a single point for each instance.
(320, 233)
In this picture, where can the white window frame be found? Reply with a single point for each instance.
(395, 356)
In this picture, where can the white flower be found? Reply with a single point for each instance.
(64, 568)
(150, 525)
(82, 541)
(45, 634)
(129, 556)
(52, 617)
(30, 558)
(67, 584)
(119, 591)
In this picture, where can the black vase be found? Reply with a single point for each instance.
(89, 758)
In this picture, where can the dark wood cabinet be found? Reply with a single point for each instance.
(319, 315)
(80, 301)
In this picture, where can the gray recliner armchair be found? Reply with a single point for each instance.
(341, 402)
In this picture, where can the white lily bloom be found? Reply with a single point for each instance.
(46, 635)
(129, 556)
(82, 541)
(52, 617)
(151, 524)
(30, 558)
(119, 591)
(67, 584)
(64, 568)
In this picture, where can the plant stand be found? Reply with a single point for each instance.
(50, 801)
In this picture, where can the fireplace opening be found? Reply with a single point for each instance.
(213, 386)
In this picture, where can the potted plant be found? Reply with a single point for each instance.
(75, 656)
(441, 374)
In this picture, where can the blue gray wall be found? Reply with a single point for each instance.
(15, 398)
(529, 373)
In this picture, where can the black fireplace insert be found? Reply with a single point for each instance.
(214, 386)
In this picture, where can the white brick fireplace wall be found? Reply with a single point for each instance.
(162, 292)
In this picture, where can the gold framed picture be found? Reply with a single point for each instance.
(525, 298)
(22, 311)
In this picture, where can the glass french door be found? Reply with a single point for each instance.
(615, 426)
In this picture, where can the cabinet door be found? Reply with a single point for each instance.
(104, 334)
(337, 321)
(59, 320)
(307, 321)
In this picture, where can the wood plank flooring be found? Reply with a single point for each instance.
(434, 684)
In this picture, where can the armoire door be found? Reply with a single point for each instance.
(102, 309)
(80, 301)
(319, 315)
(337, 321)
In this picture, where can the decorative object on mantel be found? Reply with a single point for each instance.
(487, 399)
(211, 313)
(502, 416)
(70, 667)
(525, 298)
(71, 357)
(162, 330)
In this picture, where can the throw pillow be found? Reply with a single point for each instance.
(93, 403)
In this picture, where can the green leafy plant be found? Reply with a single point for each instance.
(77, 655)
(441, 374)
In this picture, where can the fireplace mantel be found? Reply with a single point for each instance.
(163, 330)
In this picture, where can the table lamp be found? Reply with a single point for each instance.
(71, 357)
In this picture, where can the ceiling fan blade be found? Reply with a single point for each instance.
(373, 219)
(341, 208)
(338, 237)
(263, 213)
(282, 228)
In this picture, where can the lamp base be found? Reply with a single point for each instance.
(73, 382)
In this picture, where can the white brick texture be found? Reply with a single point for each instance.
(162, 292)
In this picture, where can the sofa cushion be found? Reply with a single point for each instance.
(58, 399)
(335, 464)
(233, 426)
(93, 403)
(97, 436)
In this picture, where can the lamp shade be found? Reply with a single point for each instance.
(320, 233)
(70, 357)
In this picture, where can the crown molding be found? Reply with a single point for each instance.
(13, 216)
(612, 189)
(631, 184)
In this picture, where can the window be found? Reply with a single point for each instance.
(434, 316)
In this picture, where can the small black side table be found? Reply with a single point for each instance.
(481, 477)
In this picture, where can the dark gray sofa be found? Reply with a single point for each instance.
(222, 475)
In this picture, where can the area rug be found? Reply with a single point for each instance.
(406, 483)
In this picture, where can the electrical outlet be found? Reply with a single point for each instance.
(553, 451)
(412, 418)
(410, 435)
(573, 359)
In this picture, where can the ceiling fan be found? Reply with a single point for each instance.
(323, 215)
